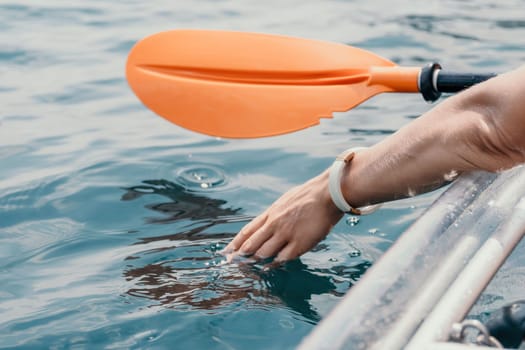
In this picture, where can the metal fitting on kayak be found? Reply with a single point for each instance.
(508, 324)
(458, 333)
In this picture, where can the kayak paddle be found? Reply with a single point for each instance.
(247, 85)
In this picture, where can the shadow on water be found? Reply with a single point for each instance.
(185, 270)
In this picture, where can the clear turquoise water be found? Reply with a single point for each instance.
(108, 238)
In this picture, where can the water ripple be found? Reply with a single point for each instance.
(20, 242)
(200, 177)
(191, 275)
(510, 24)
(111, 218)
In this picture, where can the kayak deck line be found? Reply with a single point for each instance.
(471, 282)
(479, 217)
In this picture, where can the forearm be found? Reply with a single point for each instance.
(482, 128)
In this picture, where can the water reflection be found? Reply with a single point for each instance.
(201, 282)
(181, 205)
(184, 270)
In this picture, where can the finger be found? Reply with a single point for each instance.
(245, 233)
(256, 240)
(239, 258)
(289, 252)
(271, 247)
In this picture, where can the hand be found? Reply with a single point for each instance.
(291, 226)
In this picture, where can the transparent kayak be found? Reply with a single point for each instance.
(431, 276)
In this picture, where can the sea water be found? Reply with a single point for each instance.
(111, 218)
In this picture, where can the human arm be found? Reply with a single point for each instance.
(482, 128)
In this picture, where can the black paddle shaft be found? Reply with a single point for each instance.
(433, 81)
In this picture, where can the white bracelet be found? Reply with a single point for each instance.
(334, 184)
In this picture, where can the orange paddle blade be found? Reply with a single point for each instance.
(245, 85)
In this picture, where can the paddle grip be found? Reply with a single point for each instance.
(433, 81)
(455, 82)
